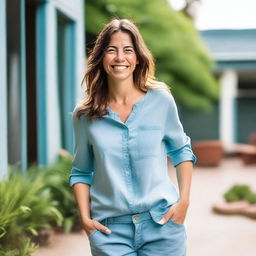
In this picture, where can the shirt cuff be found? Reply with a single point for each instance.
(78, 176)
(183, 155)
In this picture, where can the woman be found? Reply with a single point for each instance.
(124, 130)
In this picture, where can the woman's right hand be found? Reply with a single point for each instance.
(90, 225)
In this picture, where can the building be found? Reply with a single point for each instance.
(233, 118)
(42, 60)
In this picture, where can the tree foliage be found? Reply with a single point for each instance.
(182, 60)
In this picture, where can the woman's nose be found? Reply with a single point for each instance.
(120, 56)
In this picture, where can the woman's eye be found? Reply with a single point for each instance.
(128, 50)
(110, 50)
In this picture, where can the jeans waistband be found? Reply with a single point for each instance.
(130, 218)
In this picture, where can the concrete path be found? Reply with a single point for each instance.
(209, 234)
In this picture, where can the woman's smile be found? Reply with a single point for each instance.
(119, 67)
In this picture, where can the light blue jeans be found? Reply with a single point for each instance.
(139, 235)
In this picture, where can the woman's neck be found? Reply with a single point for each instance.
(122, 92)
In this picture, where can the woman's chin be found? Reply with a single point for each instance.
(118, 77)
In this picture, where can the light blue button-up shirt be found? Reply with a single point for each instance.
(125, 164)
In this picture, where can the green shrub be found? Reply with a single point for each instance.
(26, 207)
(56, 180)
(38, 199)
(240, 192)
(25, 250)
(230, 196)
(251, 198)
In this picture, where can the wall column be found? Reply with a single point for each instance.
(228, 109)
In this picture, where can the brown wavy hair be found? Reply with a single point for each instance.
(95, 103)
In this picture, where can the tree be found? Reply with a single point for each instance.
(182, 60)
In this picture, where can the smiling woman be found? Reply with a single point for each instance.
(124, 130)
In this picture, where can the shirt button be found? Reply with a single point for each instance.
(136, 218)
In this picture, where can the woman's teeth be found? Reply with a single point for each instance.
(120, 67)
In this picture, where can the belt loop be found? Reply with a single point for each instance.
(106, 222)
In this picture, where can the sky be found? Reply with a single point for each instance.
(220, 14)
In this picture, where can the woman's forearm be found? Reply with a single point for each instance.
(82, 196)
(184, 177)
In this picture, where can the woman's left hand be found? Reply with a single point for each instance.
(177, 213)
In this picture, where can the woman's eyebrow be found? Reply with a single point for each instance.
(112, 46)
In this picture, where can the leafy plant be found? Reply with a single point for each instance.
(240, 192)
(251, 198)
(33, 201)
(25, 250)
(26, 207)
(56, 179)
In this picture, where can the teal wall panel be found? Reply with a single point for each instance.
(71, 81)
(66, 77)
(41, 83)
(23, 100)
(201, 125)
(3, 93)
(246, 118)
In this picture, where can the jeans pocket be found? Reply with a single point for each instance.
(93, 232)
(175, 223)
(96, 230)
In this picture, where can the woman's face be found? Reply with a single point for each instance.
(120, 59)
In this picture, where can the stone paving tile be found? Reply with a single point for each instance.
(209, 234)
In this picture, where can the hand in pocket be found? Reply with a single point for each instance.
(176, 213)
(91, 225)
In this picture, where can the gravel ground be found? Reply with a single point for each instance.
(209, 234)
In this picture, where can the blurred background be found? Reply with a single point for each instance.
(204, 50)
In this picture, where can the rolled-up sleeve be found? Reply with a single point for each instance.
(82, 164)
(178, 144)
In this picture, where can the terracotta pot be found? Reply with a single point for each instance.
(208, 152)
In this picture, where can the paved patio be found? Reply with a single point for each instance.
(209, 234)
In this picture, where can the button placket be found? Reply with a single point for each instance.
(127, 169)
(127, 166)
